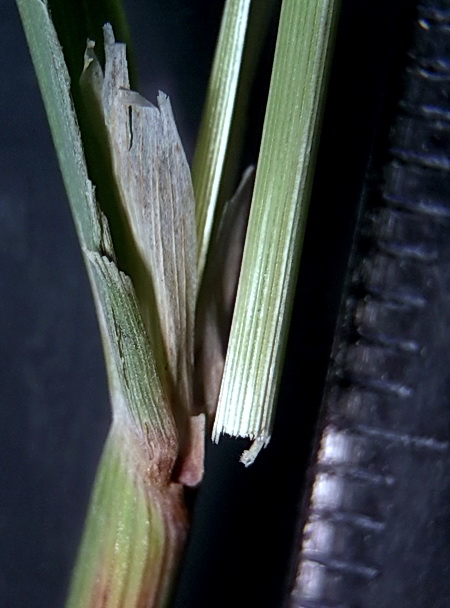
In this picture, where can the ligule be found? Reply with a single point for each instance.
(156, 204)
(157, 201)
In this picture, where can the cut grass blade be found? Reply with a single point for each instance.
(277, 222)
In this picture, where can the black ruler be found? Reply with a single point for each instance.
(377, 516)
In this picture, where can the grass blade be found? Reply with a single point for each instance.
(216, 121)
(277, 222)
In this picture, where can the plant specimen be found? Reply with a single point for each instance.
(158, 294)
